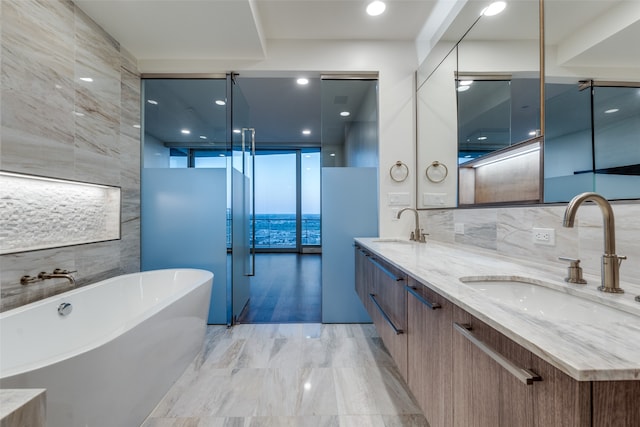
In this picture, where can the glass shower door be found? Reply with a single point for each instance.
(242, 201)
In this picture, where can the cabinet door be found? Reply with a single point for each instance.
(616, 403)
(363, 280)
(559, 400)
(490, 385)
(429, 351)
(389, 310)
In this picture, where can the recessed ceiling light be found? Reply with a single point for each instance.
(237, 131)
(302, 81)
(468, 156)
(86, 79)
(482, 138)
(612, 110)
(185, 131)
(203, 137)
(376, 8)
(345, 114)
(463, 88)
(465, 82)
(220, 155)
(152, 101)
(494, 8)
(332, 154)
(307, 156)
(533, 133)
(221, 102)
(306, 132)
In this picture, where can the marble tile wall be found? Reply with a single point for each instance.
(55, 124)
(508, 231)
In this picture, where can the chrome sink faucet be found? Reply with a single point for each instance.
(610, 261)
(416, 235)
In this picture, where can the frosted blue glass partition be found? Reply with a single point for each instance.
(184, 225)
(349, 210)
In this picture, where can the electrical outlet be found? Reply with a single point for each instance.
(544, 236)
(394, 214)
(458, 228)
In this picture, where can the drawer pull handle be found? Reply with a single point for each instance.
(423, 300)
(385, 316)
(385, 270)
(525, 375)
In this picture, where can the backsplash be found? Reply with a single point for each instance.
(508, 231)
(70, 109)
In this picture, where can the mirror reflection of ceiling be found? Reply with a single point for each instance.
(596, 35)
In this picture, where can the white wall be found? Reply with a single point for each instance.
(394, 61)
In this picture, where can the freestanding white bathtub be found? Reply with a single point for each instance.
(113, 357)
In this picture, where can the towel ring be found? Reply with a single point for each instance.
(399, 171)
(433, 175)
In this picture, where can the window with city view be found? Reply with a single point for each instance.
(276, 194)
(276, 199)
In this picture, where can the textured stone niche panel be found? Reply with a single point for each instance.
(39, 213)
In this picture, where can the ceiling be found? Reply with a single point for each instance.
(242, 29)
(226, 30)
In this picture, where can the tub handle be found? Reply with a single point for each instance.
(65, 309)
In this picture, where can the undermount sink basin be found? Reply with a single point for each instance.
(541, 301)
(392, 240)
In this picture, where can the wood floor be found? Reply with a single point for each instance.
(285, 289)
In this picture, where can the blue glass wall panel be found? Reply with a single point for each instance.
(349, 210)
(184, 225)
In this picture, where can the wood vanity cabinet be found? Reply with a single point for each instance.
(429, 336)
(497, 382)
(464, 373)
(381, 289)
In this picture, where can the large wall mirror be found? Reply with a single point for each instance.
(479, 110)
(592, 98)
(481, 101)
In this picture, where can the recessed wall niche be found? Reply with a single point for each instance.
(41, 213)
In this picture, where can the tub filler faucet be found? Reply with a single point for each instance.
(610, 261)
(57, 273)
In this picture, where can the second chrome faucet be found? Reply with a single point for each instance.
(610, 261)
(417, 234)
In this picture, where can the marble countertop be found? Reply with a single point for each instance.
(602, 349)
(22, 407)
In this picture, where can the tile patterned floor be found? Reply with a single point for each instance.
(290, 375)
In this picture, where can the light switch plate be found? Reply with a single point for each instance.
(433, 199)
(399, 199)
